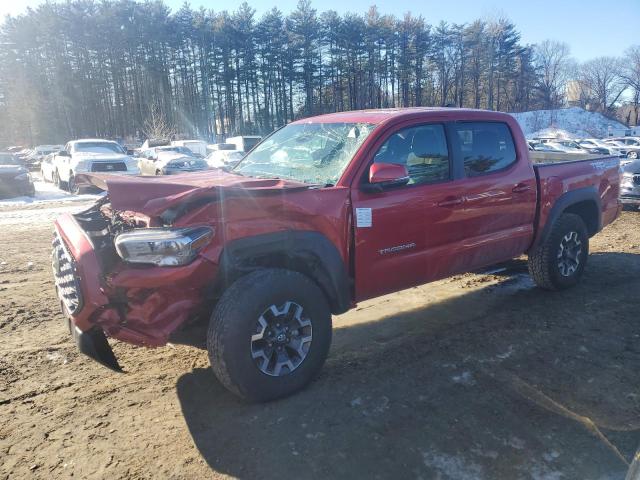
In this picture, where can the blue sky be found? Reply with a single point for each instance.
(591, 28)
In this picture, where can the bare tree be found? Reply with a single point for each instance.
(601, 80)
(631, 76)
(156, 125)
(552, 61)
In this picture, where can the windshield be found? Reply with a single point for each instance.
(98, 147)
(187, 162)
(8, 159)
(315, 153)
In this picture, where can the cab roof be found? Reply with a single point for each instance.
(378, 116)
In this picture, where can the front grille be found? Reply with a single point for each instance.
(65, 276)
(108, 167)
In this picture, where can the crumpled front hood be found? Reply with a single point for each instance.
(153, 195)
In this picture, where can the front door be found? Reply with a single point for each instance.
(402, 234)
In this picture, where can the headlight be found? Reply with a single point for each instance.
(81, 166)
(627, 178)
(163, 246)
(22, 177)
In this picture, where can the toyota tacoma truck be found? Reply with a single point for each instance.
(90, 155)
(322, 214)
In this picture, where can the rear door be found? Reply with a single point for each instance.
(499, 194)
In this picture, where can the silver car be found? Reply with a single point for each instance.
(630, 184)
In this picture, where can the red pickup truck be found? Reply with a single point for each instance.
(323, 213)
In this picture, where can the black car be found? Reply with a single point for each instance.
(14, 177)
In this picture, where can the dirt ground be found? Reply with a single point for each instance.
(477, 377)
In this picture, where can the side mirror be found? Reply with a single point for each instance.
(386, 175)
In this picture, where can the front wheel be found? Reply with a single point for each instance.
(269, 335)
(73, 186)
(558, 262)
(633, 155)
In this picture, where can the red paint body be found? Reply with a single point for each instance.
(419, 233)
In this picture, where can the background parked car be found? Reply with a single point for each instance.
(571, 146)
(545, 147)
(631, 151)
(630, 184)
(15, 179)
(224, 158)
(154, 142)
(90, 155)
(592, 144)
(197, 147)
(47, 168)
(244, 143)
(38, 153)
(15, 148)
(167, 162)
(152, 153)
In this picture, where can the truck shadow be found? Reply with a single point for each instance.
(464, 379)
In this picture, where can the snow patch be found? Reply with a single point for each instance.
(37, 215)
(541, 472)
(571, 122)
(452, 467)
(47, 192)
(465, 378)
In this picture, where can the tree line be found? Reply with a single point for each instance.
(86, 68)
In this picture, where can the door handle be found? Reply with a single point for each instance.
(521, 188)
(451, 202)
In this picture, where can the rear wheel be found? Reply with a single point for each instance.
(269, 335)
(158, 172)
(632, 154)
(559, 261)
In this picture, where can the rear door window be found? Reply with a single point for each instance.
(485, 147)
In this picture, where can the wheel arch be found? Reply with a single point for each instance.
(584, 202)
(307, 252)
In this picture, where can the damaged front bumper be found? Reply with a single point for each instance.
(93, 343)
(141, 306)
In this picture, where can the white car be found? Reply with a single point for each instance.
(565, 147)
(224, 158)
(171, 163)
(631, 151)
(46, 168)
(595, 143)
(38, 153)
(87, 156)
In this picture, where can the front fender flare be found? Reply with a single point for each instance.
(308, 252)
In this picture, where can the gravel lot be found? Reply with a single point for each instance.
(476, 377)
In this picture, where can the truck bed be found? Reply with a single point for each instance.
(564, 175)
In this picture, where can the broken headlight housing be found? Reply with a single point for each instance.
(165, 247)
